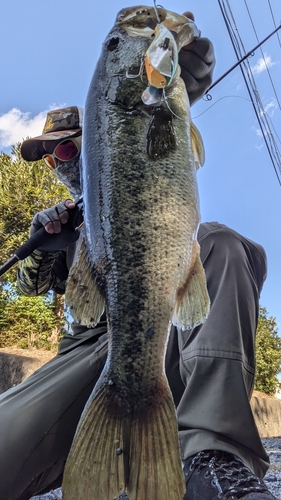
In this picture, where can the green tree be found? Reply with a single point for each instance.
(25, 189)
(268, 354)
(28, 322)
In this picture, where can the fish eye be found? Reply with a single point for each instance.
(113, 44)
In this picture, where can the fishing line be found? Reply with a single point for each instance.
(165, 99)
(220, 99)
(156, 12)
(237, 97)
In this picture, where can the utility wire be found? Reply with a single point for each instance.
(252, 89)
(266, 65)
(270, 8)
(249, 54)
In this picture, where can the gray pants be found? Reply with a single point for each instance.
(210, 371)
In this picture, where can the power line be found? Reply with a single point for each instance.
(270, 8)
(252, 89)
(266, 65)
(250, 53)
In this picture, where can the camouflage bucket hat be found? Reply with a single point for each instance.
(60, 124)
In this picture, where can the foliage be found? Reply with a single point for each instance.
(25, 189)
(27, 322)
(268, 354)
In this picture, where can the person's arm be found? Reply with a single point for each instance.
(43, 271)
(197, 61)
(37, 273)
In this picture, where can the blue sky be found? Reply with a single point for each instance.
(48, 55)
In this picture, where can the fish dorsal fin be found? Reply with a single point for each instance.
(193, 305)
(82, 294)
(197, 146)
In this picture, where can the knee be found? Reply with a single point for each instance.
(222, 247)
(222, 244)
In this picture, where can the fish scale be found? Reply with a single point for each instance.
(138, 259)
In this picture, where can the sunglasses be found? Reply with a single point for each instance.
(64, 151)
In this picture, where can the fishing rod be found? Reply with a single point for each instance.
(250, 53)
(47, 242)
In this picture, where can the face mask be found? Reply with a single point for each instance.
(69, 174)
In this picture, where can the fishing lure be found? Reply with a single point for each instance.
(160, 63)
(161, 58)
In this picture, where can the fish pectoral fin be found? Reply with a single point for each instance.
(194, 304)
(82, 294)
(160, 138)
(116, 450)
(197, 146)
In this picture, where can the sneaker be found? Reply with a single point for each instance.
(210, 475)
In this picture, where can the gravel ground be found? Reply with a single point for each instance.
(272, 478)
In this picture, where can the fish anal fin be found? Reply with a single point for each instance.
(193, 303)
(197, 146)
(82, 294)
(133, 451)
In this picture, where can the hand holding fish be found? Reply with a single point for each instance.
(177, 43)
(197, 61)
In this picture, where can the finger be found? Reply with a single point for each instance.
(53, 227)
(64, 216)
(57, 226)
(201, 48)
(190, 15)
(42, 218)
(198, 59)
(69, 204)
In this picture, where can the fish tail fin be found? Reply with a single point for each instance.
(93, 468)
(155, 464)
(138, 454)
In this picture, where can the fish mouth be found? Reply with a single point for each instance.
(139, 15)
(136, 21)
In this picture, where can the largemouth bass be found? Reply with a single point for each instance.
(138, 260)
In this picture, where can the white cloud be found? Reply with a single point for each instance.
(16, 125)
(270, 107)
(257, 131)
(262, 64)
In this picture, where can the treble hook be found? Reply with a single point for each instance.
(140, 73)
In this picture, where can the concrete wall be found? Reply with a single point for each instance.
(14, 369)
(267, 413)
